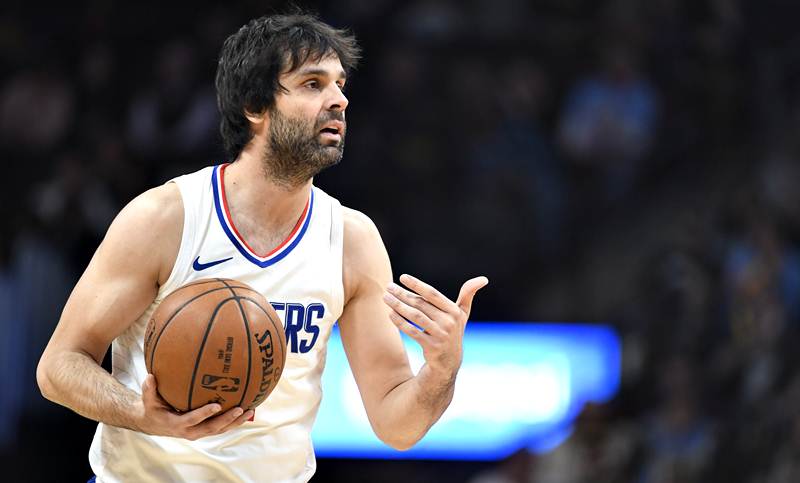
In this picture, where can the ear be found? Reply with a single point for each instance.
(255, 117)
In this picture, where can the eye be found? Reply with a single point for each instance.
(312, 84)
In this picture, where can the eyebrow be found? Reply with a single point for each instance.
(320, 72)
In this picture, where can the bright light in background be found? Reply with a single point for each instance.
(483, 393)
(520, 384)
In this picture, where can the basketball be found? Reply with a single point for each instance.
(215, 341)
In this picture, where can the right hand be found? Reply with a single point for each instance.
(158, 418)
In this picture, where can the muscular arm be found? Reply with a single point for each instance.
(117, 286)
(121, 281)
(401, 407)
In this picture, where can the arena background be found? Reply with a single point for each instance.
(625, 161)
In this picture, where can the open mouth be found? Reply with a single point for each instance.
(333, 129)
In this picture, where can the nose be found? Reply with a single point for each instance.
(337, 100)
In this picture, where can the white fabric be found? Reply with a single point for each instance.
(276, 446)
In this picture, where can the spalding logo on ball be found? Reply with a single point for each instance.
(215, 341)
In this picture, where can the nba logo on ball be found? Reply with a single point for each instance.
(215, 340)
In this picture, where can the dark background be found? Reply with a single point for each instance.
(633, 162)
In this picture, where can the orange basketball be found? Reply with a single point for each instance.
(215, 340)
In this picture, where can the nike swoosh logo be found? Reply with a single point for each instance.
(202, 266)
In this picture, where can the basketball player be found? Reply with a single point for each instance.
(259, 219)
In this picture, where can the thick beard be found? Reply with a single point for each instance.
(294, 153)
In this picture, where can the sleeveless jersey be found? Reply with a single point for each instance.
(302, 278)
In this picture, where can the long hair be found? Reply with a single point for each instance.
(253, 59)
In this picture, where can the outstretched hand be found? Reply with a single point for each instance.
(157, 417)
(440, 321)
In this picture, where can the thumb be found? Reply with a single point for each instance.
(468, 291)
(149, 389)
(150, 394)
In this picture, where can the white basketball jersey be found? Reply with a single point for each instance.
(302, 278)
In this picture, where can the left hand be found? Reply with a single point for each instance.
(441, 320)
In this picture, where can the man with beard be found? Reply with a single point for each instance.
(258, 219)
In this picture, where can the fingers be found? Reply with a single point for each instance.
(148, 388)
(198, 423)
(468, 291)
(149, 391)
(407, 328)
(416, 301)
(219, 424)
(197, 416)
(427, 292)
(240, 420)
(427, 304)
(403, 308)
(150, 395)
(152, 399)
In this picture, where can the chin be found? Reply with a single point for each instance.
(333, 150)
(332, 144)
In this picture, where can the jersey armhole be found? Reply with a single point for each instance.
(186, 245)
(337, 255)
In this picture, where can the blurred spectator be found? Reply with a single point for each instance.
(779, 178)
(762, 281)
(14, 322)
(486, 136)
(514, 165)
(431, 20)
(73, 204)
(784, 464)
(598, 451)
(36, 109)
(679, 439)
(609, 118)
(516, 468)
(174, 118)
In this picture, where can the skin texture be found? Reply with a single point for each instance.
(130, 265)
(120, 282)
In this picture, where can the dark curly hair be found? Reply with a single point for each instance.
(253, 58)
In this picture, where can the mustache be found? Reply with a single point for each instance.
(330, 116)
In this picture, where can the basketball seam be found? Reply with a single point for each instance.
(249, 343)
(275, 327)
(202, 347)
(174, 314)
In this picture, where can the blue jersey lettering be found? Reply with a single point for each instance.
(300, 323)
(313, 313)
(295, 316)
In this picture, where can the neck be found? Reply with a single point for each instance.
(250, 191)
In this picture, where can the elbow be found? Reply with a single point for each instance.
(401, 445)
(399, 442)
(43, 379)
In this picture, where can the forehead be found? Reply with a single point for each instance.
(329, 65)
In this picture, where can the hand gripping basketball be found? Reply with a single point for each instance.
(215, 341)
(441, 321)
(158, 418)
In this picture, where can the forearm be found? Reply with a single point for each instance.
(408, 411)
(76, 381)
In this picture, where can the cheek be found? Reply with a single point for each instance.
(298, 105)
(302, 115)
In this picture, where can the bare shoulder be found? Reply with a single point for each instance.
(162, 203)
(149, 228)
(361, 237)
(358, 226)
(364, 258)
(123, 277)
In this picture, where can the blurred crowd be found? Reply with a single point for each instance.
(629, 162)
